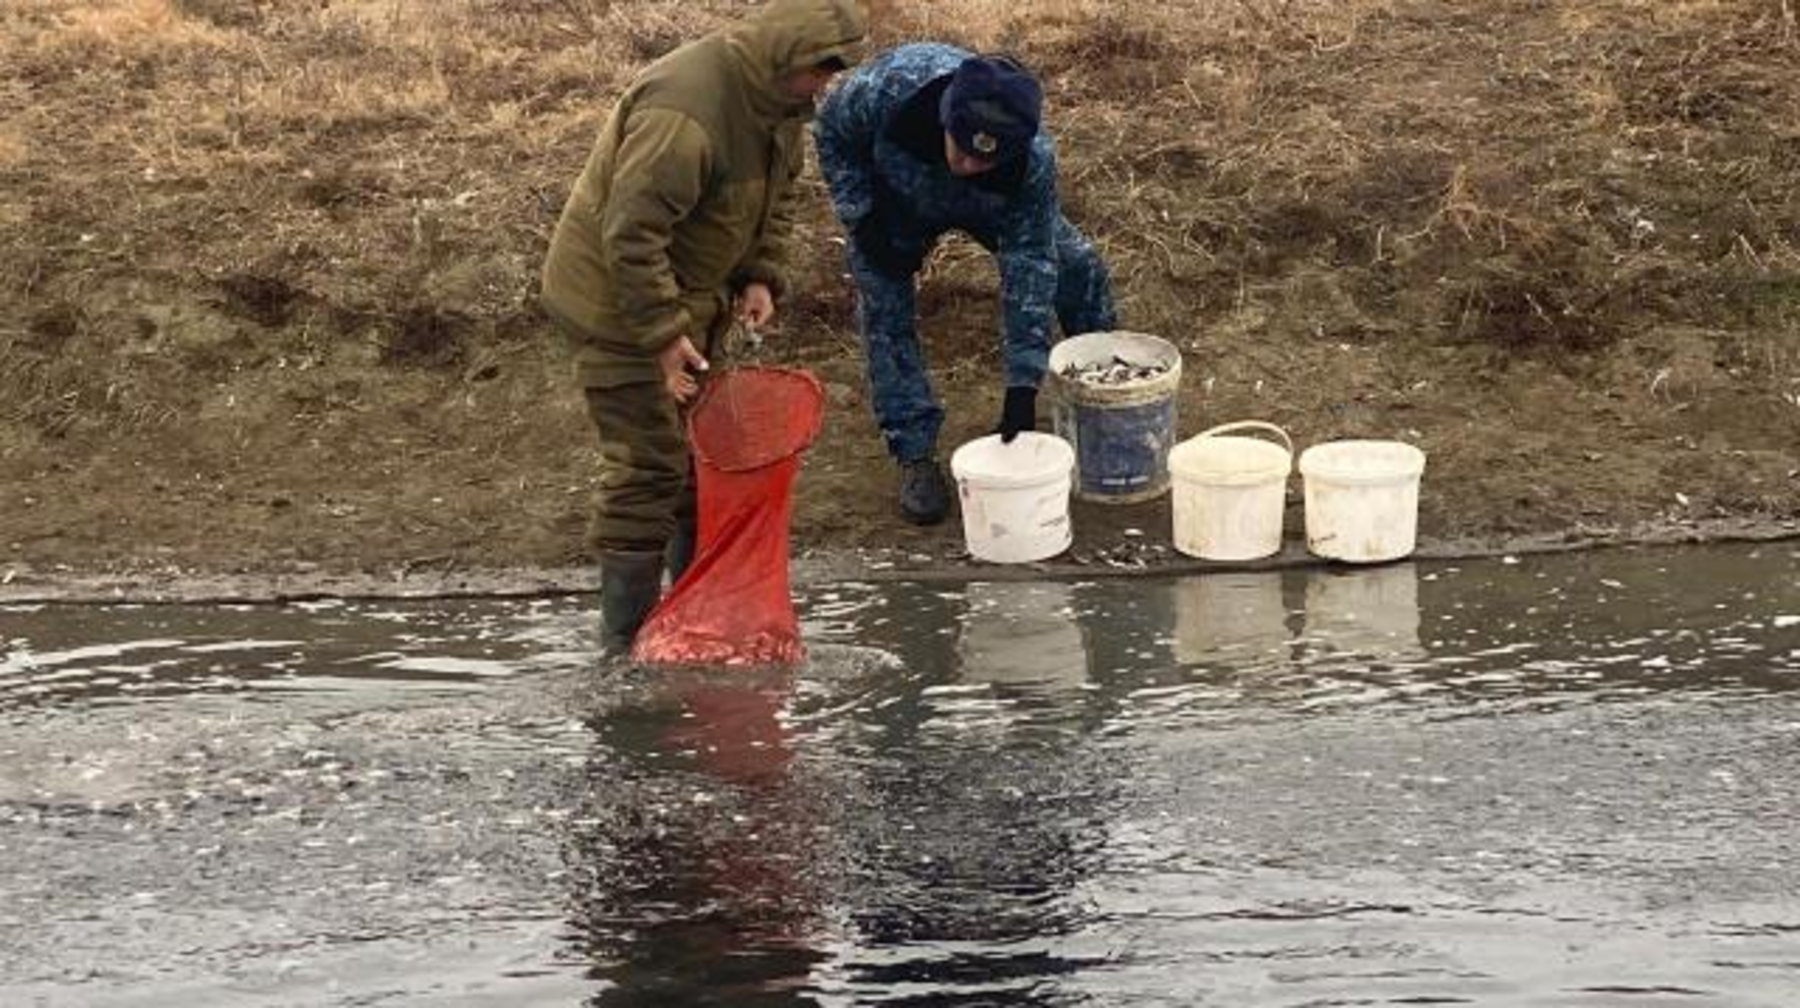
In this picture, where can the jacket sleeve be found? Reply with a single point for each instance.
(844, 131)
(1027, 254)
(659, 177)
(772, 258)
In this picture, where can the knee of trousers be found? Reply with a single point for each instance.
(644, 482)
(638, 512)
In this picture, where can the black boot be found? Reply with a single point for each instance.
(924, 497)
(630, 586)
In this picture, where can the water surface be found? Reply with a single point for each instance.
(1557, 781)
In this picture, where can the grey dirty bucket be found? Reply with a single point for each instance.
(1121, 431)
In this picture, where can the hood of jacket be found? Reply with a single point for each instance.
(790, 35)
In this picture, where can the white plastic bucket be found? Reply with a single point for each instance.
(1362, 499)
(1015, 497)
(1230, 492)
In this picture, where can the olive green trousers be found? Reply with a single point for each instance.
(646, 485)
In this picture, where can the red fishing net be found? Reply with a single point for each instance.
(732, 606)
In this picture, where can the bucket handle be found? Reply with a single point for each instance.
(1249, 425)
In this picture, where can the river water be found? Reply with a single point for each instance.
(1566, 780)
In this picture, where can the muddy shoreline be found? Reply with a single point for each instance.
(173, 585)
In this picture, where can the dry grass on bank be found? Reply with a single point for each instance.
(267, 267)
(373, 180)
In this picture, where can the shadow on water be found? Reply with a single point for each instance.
(1565, 780)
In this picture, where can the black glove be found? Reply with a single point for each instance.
(1019, 412)
(874, 240)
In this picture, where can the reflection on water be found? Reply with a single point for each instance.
(1368, 614)
(1274, 789)
(1564, 780)
(1023, 635)
(1246, 619)
(695, 875)
(1232, 617)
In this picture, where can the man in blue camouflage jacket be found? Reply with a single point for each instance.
(928, 138)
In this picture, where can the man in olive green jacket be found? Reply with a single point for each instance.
(681, 218)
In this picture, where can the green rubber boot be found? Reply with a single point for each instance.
(630, 586)
(681, 551)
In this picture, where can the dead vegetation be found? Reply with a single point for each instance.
(203, 200)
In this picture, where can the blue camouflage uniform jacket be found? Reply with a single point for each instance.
(880, 149)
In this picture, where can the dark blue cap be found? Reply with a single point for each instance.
(992, 108)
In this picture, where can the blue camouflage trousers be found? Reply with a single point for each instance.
(906, 409)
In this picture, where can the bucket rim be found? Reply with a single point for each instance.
(1161, 344)
(1067, 351)
(1316, 462)
(1187, 456)
(1063, 452)
(1187, 462)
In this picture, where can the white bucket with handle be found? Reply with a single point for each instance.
(1015, 497)
(1362, 499)
(1230, 491)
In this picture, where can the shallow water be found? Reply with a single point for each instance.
(1559, 781)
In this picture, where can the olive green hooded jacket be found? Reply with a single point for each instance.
(688, 192)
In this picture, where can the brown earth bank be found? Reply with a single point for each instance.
(267, 272)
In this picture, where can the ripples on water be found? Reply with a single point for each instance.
(1555, 781)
